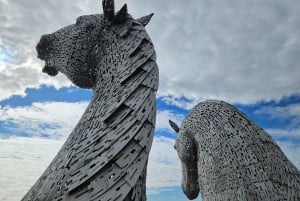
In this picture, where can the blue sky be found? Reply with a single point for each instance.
(245, 53)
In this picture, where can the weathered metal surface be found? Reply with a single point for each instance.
(105, 157)
(226, 156)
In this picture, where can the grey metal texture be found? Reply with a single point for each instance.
(226, 156)
(105, 157)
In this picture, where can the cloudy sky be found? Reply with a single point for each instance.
(243, 52)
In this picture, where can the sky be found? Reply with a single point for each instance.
(242, 52)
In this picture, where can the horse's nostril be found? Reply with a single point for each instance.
(50, 71)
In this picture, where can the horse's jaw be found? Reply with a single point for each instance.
(190, 184)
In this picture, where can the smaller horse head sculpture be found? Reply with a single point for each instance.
(226, 156)
(187, 152)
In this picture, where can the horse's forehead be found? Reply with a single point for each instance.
(96, 19)
(181, 139)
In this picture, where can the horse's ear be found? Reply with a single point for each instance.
(121, 16)
(174, 126)
(108, 9)
(145, 20)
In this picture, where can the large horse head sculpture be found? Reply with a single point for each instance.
(226, 156)
(105, 157)
(78, 49)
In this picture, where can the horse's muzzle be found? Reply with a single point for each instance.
(43, 46)
(191, 192)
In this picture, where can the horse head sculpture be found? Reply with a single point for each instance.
(77, 50)
(105, 157)
(226, 156)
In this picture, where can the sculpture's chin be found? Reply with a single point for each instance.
(191, 192)
(82, 81)
(50, 70)
(192, 196)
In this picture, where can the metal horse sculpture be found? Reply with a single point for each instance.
(105, 157)
(226, 156)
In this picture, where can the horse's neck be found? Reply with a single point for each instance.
(129, 61)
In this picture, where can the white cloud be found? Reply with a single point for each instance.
(163, 117)
(181, 102)
(293, 134)
(232, 50)
(281, 112)
(164, 169)
(27, 74)
(22, 161)
(292, 151)
(52, 119)
(290, 114)
(157, 191)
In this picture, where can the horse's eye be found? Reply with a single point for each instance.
(90, 27)
(175, 147)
